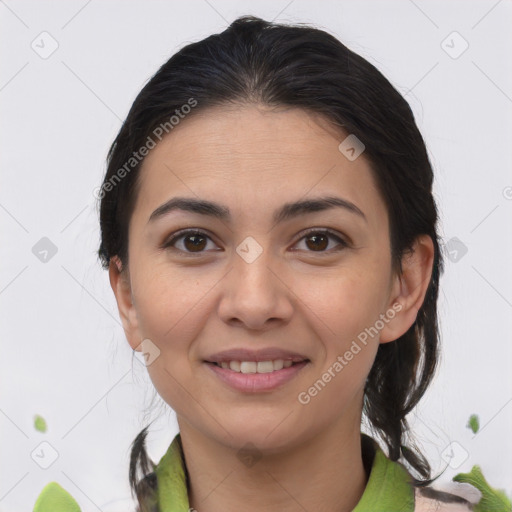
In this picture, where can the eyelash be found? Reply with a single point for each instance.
(183, 234)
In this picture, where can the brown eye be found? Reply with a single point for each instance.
(193, 241)
(196, 242)
(318, 241)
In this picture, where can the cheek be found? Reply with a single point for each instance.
(171, 311)
(169, 303)
(345, 310)
(346, 303)
(167, 312)
(343, 316)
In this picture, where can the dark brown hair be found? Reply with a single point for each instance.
(304, 67)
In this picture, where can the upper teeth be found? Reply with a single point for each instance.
(256, 367)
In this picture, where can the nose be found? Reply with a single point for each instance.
(255, 293)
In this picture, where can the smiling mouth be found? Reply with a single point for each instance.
(257, 366)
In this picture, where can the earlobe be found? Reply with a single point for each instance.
(120, 283)
(409, 289)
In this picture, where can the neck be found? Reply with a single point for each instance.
(324, 473)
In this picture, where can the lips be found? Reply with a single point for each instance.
(250, 382)
(267, 354)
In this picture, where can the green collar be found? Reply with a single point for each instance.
(388, 486)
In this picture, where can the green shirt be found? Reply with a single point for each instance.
(387, 488)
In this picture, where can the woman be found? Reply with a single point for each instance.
(269, 228)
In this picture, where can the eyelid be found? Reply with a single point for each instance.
(167, 244)
(327, 231)
(342, 240)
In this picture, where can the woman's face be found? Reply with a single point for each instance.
(255, 280)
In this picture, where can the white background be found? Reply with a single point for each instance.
(64, 355)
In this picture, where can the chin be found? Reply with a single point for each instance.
(269, 437)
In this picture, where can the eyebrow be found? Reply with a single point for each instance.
(286, 212)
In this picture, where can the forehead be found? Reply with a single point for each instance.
(254, 158)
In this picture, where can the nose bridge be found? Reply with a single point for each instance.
(251, 265)
(254, 292)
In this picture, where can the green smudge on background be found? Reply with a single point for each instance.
(39, 423)
(473, 423)
(494, 500)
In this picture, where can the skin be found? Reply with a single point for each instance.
(253, 159)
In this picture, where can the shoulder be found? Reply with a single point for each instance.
(428, 499)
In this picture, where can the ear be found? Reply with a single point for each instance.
(120, 283)
(409, 289)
